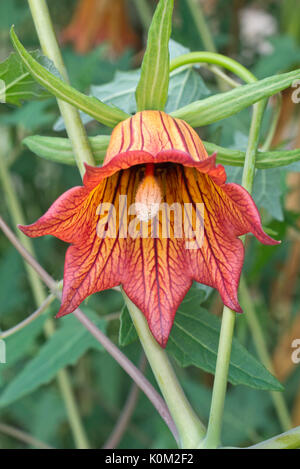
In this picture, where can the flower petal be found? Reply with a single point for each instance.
(153, 132)
(96, 261)
(229, 212)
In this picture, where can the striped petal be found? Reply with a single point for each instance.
(194, 236)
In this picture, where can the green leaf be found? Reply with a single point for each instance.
(64, 348)
(120, 91)
(222, 105)
(127, 332)
(186, 86)
(194, 341)
(11, 273)
(264, 159)
(102, 112)
(152, 90)
(60, 150)
(18, 344)
(19, 84)
(266, 191)
(32, 116)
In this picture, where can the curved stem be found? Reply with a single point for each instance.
(214, 59)
(44, 306)
(207, 39)
(23, 436)
(213, 435)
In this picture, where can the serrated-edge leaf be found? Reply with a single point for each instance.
(22, 87)
(152, 89)
(105, 114)
(222, 105)
(127, 331)
(60, 350)
(256, 375)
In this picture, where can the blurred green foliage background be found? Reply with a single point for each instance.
(264, 36)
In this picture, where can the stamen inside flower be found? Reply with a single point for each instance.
(148, 195)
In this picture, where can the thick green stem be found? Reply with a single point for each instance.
(189, 427)
(44, 28)
(260, 345)
(213, 436)
(212, 439)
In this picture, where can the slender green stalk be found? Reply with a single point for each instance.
(23, 436)
(39, 294)
(201, 25)
(44, 306)
(190, 429)
(213, 58)
(207, 39)
(212, 439)
(44, 28)
(275, 118)
(213, 436)
(260, 345)
(161, 365)
(144, 12)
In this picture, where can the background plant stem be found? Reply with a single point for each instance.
(201, 25)
(44, 28)
(144, 12)
(213, 436)
(260, 345)
(111, 348)
(39, 295)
